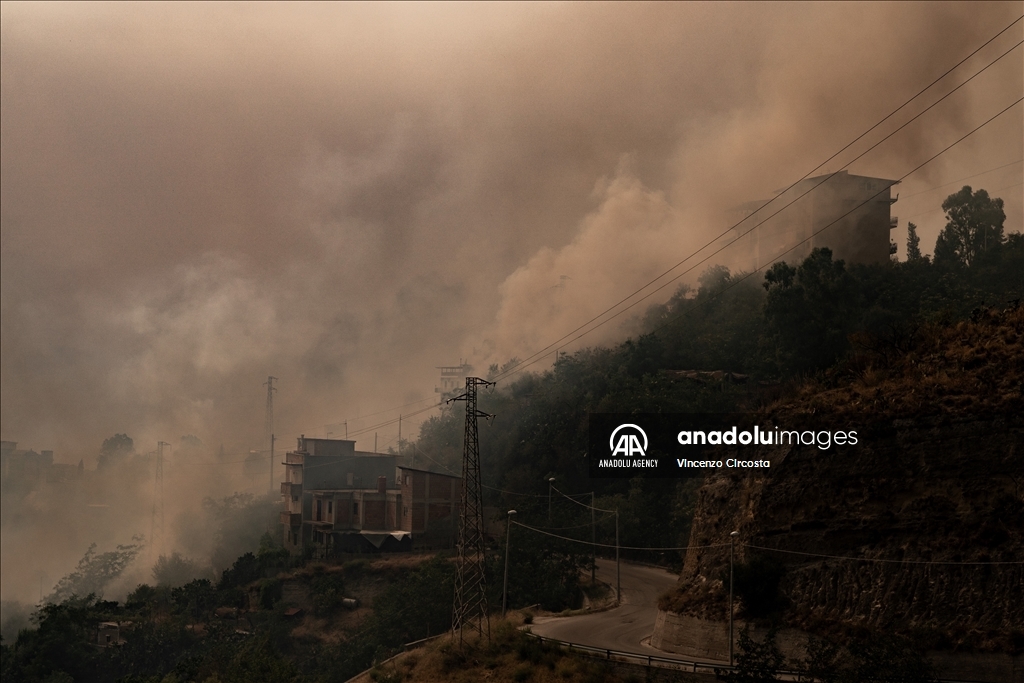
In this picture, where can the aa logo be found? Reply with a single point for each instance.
(626, 440)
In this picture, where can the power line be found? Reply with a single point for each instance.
(559, 342)
(386, 410)
(544, 351)
(954, 182)
(877, 560)
(847, 146)
(540, 354)
(620, 547)
(937, 155)
(577, 526)
(744, 277)
(757, 547)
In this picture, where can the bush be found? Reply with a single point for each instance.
(522, 673)
(270, 593)
(326, 590)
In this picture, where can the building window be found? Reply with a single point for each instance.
(330, 508)
(355, 509)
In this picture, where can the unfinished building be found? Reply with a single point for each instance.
(338, 499)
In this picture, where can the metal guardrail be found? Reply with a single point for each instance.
(690, 665)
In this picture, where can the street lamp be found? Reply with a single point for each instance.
(618, 568)
(551, 485)
(732, 549)
(593, 543)
(504, 588)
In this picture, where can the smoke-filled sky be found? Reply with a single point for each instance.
(344, 196)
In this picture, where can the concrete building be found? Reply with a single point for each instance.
(338, 499)
(847, 213)
(453, 378)
(29, 467)
(430, 506)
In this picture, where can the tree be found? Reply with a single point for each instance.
(115, 450)
(175, 570)
(757, 662)
(810, 311)
(94, 571)
(913, 243)
(974, 224)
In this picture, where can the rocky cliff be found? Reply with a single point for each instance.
(917, 530)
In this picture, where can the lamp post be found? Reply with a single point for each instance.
(618, 574)
(593, 543)
(732, 550)
(551, 485)
(504, 588)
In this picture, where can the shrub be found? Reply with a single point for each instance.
(522, 673)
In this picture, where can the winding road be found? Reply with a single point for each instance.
(627, 627)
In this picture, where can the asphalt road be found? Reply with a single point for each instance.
(624, 627)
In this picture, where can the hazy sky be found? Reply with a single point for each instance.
(196, 196)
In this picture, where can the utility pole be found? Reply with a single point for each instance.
(268, 427)
(551, 485)
(593, 543)
(504, 588)
(732, 549)
(618, 567)
(399, 433)
(470, 608)
(272, 439)
(157, 523)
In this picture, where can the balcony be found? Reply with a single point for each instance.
(291, 519)
(290, 489)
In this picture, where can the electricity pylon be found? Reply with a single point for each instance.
(470, 609)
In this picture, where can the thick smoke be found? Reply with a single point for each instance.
(346, 196)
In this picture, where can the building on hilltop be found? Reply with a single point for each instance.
(848, 214)
(29, 467)
(338, 499)
(453, 378)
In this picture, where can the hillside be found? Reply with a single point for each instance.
(937, 483)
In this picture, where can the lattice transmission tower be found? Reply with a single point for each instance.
(470, 610)
(268, 428)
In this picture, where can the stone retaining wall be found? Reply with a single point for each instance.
(706, 639)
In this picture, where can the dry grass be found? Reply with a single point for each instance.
(511, 656)
(974, 367)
